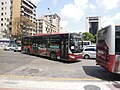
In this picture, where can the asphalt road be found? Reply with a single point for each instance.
(16, 65)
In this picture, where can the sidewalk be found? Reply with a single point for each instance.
(7, 83)
(51, 85)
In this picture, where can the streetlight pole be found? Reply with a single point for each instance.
(49, 10)
(50, 20)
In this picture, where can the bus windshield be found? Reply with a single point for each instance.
(75, 45)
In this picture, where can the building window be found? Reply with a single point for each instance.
(2, 3)
(1, 14)
(4, 36)
(8, 19)
(2, 8)
(1, 19)
(54, 17)
(1, 24)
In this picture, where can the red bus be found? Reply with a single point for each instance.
(108, 48)
(65, 46)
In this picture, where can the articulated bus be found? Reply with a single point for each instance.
(108, 48)
(64, 46)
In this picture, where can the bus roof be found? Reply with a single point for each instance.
(47, 34)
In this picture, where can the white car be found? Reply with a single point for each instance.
(9, 47)
(17, 48)
(89, 52)
(92, 46)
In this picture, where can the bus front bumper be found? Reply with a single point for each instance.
(75, 56)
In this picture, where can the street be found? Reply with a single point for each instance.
(22, 66)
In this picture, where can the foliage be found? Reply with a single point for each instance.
(80, 33)
(95, 38)
(27, 22)
(89, 37)
(23, 25)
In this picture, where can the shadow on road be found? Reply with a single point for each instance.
(68, 62)
(101, 73)
(58, 60)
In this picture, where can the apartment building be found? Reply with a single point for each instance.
(5, 17)
(48, 24)
(44, 26)
(23, 17)
(17, 17)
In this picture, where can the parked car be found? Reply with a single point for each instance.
(17, 48)
(89, 52)
(9, 47)
(92, 46)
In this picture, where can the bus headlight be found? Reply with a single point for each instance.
(71, 56)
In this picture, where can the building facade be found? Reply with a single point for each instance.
(48, 24)
(5, 18)
(17, 17)
(93, 24)
(23, 17)
(44, 26)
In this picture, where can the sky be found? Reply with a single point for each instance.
(73, 13)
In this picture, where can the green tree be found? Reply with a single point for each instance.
(88, 37)
(80, 33)
(23, 25)
(95, 38)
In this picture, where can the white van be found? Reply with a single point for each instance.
(17, 48)
(85, 43)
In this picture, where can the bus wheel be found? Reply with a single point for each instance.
(86, 56)
(53, 56)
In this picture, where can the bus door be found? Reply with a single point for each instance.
(64, 47)
(35, 46)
